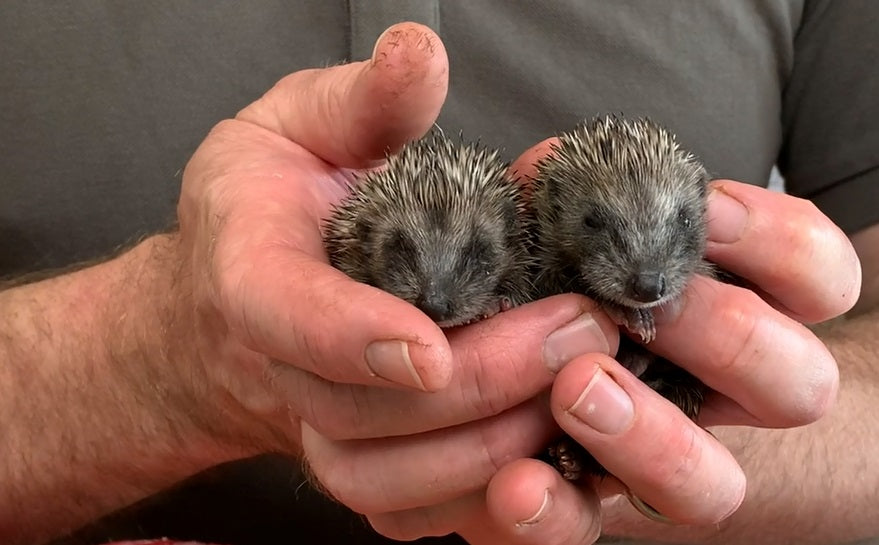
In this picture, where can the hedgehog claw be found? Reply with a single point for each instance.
(637, 320)
(642, 324)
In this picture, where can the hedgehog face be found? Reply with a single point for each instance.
(637, 248)
(452, 273)
(441, 227)
(621, 210)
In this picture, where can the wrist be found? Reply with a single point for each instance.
(151, 340)
(99, 407)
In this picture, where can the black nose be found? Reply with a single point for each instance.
(648, 286)
(437, 306)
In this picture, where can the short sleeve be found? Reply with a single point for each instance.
(830, 113)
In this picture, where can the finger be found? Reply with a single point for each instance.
(351, 115)
(380, 475)
(530, 501)
(307, 314)
(525, 166)
(720, 410)
(527, 502)
(646, 442)
(866, 244)
(770, 364)
(434, 520)
(620, 518)
(501, 362)
(786, 246)
(801, 260)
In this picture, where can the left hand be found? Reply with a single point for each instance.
(751, 347)
(766, 367)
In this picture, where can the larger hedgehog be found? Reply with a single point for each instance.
(620, 217)
(442, 227)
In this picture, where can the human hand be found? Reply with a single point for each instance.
(274, 325)
(295, 356)
(766, 367)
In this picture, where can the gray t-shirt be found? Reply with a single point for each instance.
(102, 103)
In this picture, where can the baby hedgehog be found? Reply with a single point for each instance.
(441, 227)
(620, 217)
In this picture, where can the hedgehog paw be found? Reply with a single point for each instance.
(641, 323)
(636, 320)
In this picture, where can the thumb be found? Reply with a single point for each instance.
(351, 115)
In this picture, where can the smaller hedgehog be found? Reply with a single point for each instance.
(441, 227)
(620, 217)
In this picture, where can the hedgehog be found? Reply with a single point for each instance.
(441, 227)
(619, 216)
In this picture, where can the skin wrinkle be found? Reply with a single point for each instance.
(487, 403)
(792, 470)
(486, 440)
(494, 457)
(345, 426)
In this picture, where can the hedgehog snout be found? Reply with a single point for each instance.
(647, 286)
(436, 303)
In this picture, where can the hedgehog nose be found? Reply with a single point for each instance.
(436, 305)
(648, 286)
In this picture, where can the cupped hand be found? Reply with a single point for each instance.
(391, 414)
(750, 346)
(266, 303)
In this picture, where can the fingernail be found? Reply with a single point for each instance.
(378, 41)
(581, 336)
(727, 217)
(541, 511)
(603, 405)
(390, 360)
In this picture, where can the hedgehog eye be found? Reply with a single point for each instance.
(591, 221)
(479, 254)
(684, 218)
(400, 246)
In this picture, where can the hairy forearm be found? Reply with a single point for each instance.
(815, 484)
(92, 393)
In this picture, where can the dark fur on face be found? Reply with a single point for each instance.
(441, 227)
(620, 214)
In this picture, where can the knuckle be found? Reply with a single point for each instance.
(309, 343)
(494, 453)
(801, 239)
(682, 455)
(406, 525)
(738, 316)
(755, 340)
(333, 410)
(818, 385)
(491, 460)
(338, 476)
(819, 260)
(393, 526)
(487, 396)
